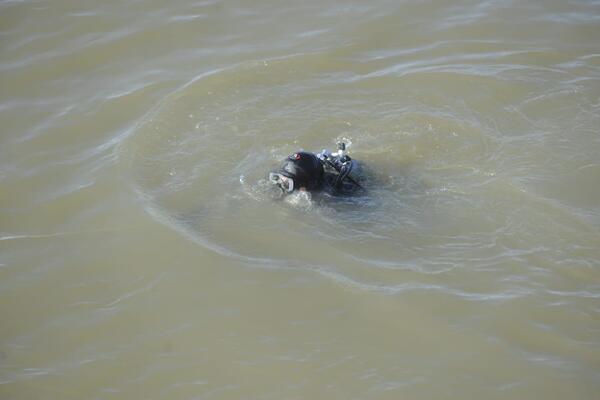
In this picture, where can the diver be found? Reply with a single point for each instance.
(335, 172)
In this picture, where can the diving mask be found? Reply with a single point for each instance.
(284, 182)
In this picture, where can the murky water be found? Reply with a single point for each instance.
(141, 257)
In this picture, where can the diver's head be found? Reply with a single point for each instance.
(301, 170)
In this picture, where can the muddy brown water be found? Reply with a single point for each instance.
(142, 257)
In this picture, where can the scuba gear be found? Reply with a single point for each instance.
(342, 164)
(300, 170)
(310, 171)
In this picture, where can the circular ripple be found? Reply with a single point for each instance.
(199, 162)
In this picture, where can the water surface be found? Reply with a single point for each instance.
(142, 257)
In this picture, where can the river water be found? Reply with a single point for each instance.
(142, 257)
